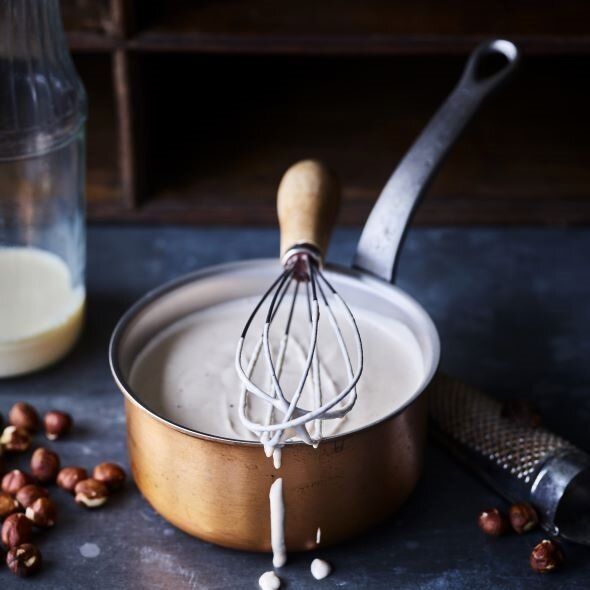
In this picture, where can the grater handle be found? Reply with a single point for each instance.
(519, 462)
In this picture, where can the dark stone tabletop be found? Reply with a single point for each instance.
(513, 310)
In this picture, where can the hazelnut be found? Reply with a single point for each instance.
(111, 474)
(44, 465)
(91, 493)
(29, 493)
(8, 505)
(68, 477)
(546, 556)
(14, 480)
(24, 560)
(523, 517)
(522, 412)
(57, 424)
(24, 416)
(42, 512)
(16, 530)
(493, 522)
(15, 439)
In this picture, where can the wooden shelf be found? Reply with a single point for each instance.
(103, 174)
(197, 108)
(352, 27)
(222, 156)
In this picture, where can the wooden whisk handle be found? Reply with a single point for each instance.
(308, 200)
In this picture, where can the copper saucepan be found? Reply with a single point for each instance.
(217, 488)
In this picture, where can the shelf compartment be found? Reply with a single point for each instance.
(221, 130)
(103, 175)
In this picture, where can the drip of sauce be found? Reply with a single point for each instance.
(320, 569)
(269, 581)
(277, 523)
(318, 536)
(276, 457)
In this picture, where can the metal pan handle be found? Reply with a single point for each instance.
(378, 249)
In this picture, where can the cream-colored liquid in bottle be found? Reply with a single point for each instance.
(40, 312)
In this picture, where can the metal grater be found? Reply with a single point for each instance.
(520, 462)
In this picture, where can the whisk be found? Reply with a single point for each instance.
(307, 204)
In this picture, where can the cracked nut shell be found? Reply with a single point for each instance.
(546, 556)
(14, 480)
(15, 439)
(42, 512)
(45, 465)
(57, 424)
(16, 530)
(111, 474)
(69, 477)
(29, 493)
(24, 560)
(493, 522)
(24, 416)
(91, 493)
(8, 505)
(523, 517)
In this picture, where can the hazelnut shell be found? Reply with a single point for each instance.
(16, 530)
(45, 465)
(69, 477)
(24, 416)
(24, 560)
(91, 493)
(111, 474)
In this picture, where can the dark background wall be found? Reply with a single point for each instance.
(197, 107)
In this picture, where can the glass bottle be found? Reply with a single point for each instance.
(42, 168)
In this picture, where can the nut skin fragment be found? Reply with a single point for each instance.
(546, 556)
(15, 439)
(29, 493)
(8, 505)
(523, 517)
(24, 416)
(57, 424)
(91, 493)
(521, 412)
(42, 512)
(14, 480)
(24, 560)
(69, 477)
(492, 522)
(111, 474)
(16, 530)
(45, 465)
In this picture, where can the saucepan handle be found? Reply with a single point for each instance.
(487, 67)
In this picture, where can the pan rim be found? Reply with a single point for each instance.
(351, 273)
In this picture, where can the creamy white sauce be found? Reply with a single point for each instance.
(320, 569)
(186, 373)
(277, 523)
(269, 581)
